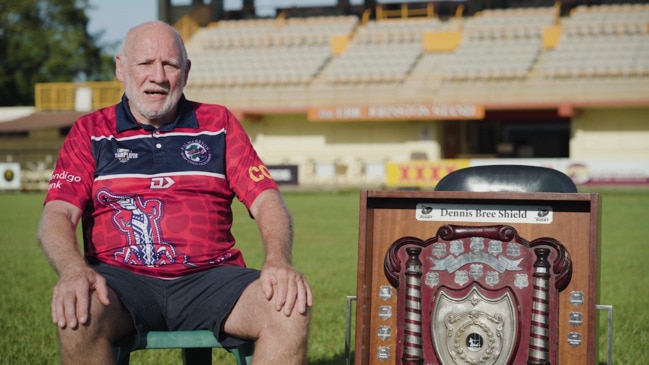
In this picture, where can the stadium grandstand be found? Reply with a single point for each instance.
(398, 94)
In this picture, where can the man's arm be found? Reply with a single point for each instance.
(57, 238)
(280, 282)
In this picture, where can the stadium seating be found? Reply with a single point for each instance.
(502, 58)
(596, 52)
(499, 44)
(264, 51)
(602, 41)
(298, 51)
(379, 62)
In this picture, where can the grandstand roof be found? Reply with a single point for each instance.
(40, 120)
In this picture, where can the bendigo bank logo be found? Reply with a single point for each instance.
(58, 178)
(258, 173)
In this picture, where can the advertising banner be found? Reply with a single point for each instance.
(9, 176)
(426, 174)
(586, 172)
(420, 174)
(608, 172)
(284, 174)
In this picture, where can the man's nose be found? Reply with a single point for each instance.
(158, 74)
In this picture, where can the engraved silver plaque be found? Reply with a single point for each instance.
(477, 244)
(385, 312)
(439, 250)
(576, 298)
(461, 277)
(432, 279)
(492, 278)
(576, 318)
(384, 332)
(574, 339)
(495, 247)
(513, 250)
(385, 292)
(476, 271)
(383, 353)
(521, 281)
(457, 247)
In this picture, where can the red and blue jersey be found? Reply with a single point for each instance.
(157, 201)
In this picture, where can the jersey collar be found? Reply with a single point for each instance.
(186, 117)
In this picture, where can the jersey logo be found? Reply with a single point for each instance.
(138, 220)
(161, 182)
(123, 155)
(196, 152)
(258, 173)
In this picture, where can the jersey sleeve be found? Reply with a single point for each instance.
(73, 173)
(246, 173)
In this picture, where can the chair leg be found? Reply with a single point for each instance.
(122, 355)
(196, 356)
(243, 353)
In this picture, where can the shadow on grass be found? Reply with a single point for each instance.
(339, 359)
(335, 359)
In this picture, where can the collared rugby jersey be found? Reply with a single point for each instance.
(157, 201)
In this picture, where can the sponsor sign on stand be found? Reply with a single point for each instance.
(9, 176)
(284, 174)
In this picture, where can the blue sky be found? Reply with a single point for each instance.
(116, 17)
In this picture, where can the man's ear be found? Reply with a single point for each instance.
(119, 67)
(187, 68)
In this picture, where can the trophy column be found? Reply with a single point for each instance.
(539, 351)
(412, 344)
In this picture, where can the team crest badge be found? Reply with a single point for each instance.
(196, 152)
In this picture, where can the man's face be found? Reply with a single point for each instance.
(153, 74)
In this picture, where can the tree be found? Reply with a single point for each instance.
(47, 41)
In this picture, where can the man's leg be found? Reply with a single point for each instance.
(280, 339)
(92, 343)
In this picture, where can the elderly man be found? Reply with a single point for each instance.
(152, 179)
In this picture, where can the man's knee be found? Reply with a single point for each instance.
(295, 324)
(301, 326)
(105, 324)
(254, 315)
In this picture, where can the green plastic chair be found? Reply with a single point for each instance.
(197, 347)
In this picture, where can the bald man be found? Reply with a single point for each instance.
(152, 179)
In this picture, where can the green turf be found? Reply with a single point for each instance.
(326, 234)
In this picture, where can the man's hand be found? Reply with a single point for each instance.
(286, 287)
(72, 295)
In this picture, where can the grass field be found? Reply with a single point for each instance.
(326, 234)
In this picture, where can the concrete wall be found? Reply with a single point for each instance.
(353, 151)
(356, 153)
(610, 133)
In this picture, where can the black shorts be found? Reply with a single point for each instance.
(199, 301)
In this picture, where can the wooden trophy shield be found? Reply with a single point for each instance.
(476, 278)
